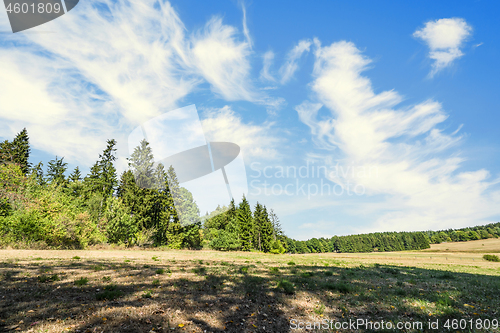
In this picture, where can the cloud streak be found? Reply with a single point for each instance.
(291, 64)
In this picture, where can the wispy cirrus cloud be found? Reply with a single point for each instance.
(291, 63)
(419, 185)
(268, 59)
(111, 66)
(444, 37)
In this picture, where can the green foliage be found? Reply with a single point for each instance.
(277, 247)
(291, 263)
(225, 241)
(121, 226)
(490, 257)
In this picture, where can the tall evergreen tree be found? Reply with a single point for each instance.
(108, 179)
(6, 152)
(142, 163)
(55, 171)
(258, 223)
(21, 150)
(76, 175)
(267, 231)
(277, 230)
(245, 225)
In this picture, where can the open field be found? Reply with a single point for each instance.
(208, 291)
(491, 245)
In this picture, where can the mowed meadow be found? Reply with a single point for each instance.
(117, 290)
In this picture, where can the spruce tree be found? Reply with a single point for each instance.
(142, 163)
(6, 152)
(245, 225)
(21, 150)
(55, 171)
(258, 222)
(266, 231)
(107, 178)
(76, 175)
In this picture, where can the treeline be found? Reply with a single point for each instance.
(391, 241)
(491, 230)
(51, 209)
(147, 206)
(238, 228)
(380, 241)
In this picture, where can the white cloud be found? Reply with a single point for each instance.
(420, 189)
(223, 61)
(444, 38)
(112, 66)
(291, 65)
(254, 140)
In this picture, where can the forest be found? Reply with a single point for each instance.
(146, 206)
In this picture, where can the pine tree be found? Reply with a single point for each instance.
(6, 152)
(21, 150)
(55, 171)
(75, 186)
(267, 231)
(107, 178)
(245, 225)
(277, 230)
(76, 175)
(258, 222)
(142, 163)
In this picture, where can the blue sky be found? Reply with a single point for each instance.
(403, 94)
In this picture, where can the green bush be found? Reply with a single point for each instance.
(490, 257)
(291, 263)
(277, 247)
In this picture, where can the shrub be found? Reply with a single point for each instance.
(274, 270)
(291, 263)
(160, 271)
(490, 257)
(277, 247)
(82, 281)
(286, 286)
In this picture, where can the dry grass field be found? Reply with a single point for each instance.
(206, 291)
(491, 245)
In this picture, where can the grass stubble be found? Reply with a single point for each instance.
(206, 291)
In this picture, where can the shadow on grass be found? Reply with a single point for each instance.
(224, 297)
